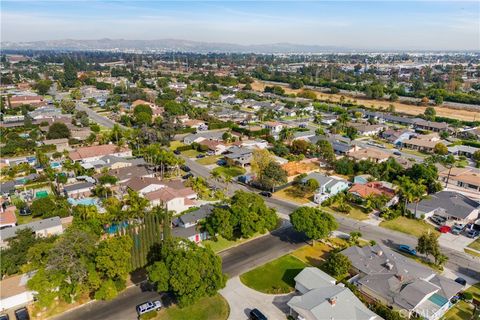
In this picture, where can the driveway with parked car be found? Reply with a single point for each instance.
(242, 300)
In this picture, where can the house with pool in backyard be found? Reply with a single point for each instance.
(401, 283)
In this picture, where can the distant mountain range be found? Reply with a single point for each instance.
(167, 45)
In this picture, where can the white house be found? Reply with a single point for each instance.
(14, 293)
(328, 186)
(273, 126)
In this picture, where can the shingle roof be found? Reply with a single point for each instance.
(455, 204)
(35, 226)
(201, 213)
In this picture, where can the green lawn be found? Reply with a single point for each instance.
(222, 243)
(287, 195)
(316, 254)
(471, 252)
(231, 171)
(190, 153)
(475, 245)
(208, 160)
(355, 213)
(209, 308)
(409, 226)
(175, 144)
(463, 310)
(274, 277)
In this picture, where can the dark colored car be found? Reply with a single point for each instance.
(177, 152)
(188, 175)
(4, 317)
(255, 314)
(185, 168)
(25, 211)
(397, 153)
(222, 162)
(472, 233)
(407, 249)
(437, 220)
(22, 314)
(201, 155)
(266, 194)
(461, 281)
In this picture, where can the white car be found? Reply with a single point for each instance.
(148, 306)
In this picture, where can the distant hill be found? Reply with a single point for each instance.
(167, 45)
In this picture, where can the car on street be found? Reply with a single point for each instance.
(188, 175)
(148, 306)
(461, 281)
(407, 249)
(22, 314)
(457, 228)
(185, 168)
(397, 153)
(201, 155)
(266, 194)
(4, 317)
(255, 314)
(177, 152)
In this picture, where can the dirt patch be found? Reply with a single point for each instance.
(465, 115)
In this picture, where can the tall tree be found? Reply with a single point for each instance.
(315, 223)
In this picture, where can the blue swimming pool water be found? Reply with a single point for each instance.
(54, 165)
(83, 202)
(438, 300)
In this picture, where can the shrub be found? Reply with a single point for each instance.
(149, 315)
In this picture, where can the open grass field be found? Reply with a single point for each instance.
(222, 243)
(284, 194)
(355, 212)
(379, 104)
(208, 160)
(409, 226)
(209, 308)
(315, 255)
(275, 277)
(463, 310)
(231, 171)
(190, 153)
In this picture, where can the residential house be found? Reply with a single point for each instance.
(144, 185)
(46, 112)
(41, 228)
(462, 150)
(375, 188)
(239, 156)
(14, 292)
(328, 186)
(112, 163)
(400, 282)
(173, 199)
(370, 154)
(396, 137)
(273, 127)
(328, 120)
(78, 190)
(303, 135)
(424, 143)
(178, 86)
(33, 100)
(204, 135)
(365, 129)
(8, 219)
(156, 110)
(321, 299)
(126, 173)
(60, 144)
(215, 147)
(199, 125)
(449, 204)
(92, 153)
(187, 225)
(464, 180)
(431, 126)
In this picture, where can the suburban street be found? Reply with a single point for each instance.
(101, 120)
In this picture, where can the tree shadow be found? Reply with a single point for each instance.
(289, 275)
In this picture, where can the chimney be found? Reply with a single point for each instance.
(399, 277)
(332, 301)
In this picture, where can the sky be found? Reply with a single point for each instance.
(409, 25)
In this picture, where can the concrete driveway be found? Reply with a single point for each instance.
(243, 299)
(455, 242)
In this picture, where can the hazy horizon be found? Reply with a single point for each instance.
(407, 25)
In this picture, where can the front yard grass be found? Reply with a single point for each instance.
(315, 255)
(475, 245)
(471, 252)
(222, 243)
(275, 277)
(286, 194)
(175, 144)
(463, 310)
(208, 308)
(355, 213)
(409, 226)
(190, 153)
(231, 171)
(208, 160)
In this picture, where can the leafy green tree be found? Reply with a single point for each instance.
(58, 130)
(69, 74)
(42, 86)
(351, 132)
(440, 149)
(193, 272)
(220, 222)
(15, 255)
(430, 113)
(337, 265)
(107, 290)
(428, 244)
(272, 176)
(315, 223)
(427, 173)
(326, 152)
(113, 257)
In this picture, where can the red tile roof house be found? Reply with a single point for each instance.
(17, 101)
(93, 153)
(375, 188)
(7, 217)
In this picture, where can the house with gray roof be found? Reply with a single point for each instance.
(239, 155)
(462, 150)
(321, 298)
(187, 227)
(41, 228)
(449, 204)
(400, 282)
(204, 135)
(77, 190)
(328, 186)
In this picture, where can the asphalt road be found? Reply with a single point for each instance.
(101, 120)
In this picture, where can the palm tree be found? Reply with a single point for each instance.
(419, 192)
(406, 187)
(286, 134)
(136, 204)
(228, 180)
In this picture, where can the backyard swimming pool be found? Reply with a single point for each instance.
(83, 202)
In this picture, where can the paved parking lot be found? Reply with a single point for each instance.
(243, 299)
